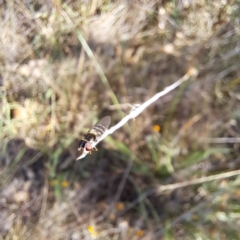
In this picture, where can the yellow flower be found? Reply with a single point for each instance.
(92, 231)
(139, 233)
(156, 128)
(64, 183)
(120, 206)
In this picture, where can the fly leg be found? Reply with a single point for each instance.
(95, 149)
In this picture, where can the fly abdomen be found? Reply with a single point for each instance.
(100, 129)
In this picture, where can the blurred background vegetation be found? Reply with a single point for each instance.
(66, 64)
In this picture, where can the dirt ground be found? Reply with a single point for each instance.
(170, 173)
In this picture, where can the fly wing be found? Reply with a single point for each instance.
(105, 121)
(101, 126)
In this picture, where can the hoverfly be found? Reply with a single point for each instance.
(93, 135)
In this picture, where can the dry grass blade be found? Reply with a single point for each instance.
(220, 176)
